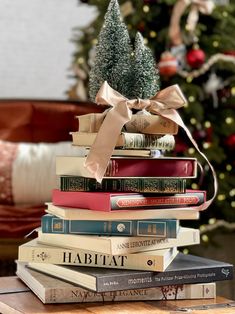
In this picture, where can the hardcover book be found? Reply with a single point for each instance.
(129, 140)
(174, 167)
(157, 260)
(185, 269)
(141, 185)
(149, 124)
(119, 245)
(109, 201)
(160, 228)
(52, 290)
(138, 214)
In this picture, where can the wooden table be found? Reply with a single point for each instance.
(16, 298)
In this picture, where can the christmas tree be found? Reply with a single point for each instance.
(113, 54)
(145, 79)
(193, 47)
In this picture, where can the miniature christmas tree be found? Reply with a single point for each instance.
(145, 76)
(113, 54)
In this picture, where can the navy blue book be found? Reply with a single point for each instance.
(161, 228)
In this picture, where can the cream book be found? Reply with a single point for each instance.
(119, 245)
(88, 214)
(33, 251)
(129, 140)
(139, 123)
(52, 290)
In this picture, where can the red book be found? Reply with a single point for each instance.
(104, 201)
(171, 167)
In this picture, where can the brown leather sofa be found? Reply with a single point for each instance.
(33, 121)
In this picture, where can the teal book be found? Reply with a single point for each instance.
(161, 228)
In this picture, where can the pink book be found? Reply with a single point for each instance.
(105, 201)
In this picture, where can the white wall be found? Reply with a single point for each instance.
(36, 48)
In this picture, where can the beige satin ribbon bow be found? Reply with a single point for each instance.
(164, 103)
(203, 6)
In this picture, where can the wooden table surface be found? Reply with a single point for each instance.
(15, 298)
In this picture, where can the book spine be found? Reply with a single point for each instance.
(119, 245)
(141, 244)
(151, 124)
(80, 295)
(129, 140)
(148, 279)
(173, 292)
(131, 167)
(124, 202)
(159, 167)
(147, 124)
(90, 122)
(158, 228)
(60, 256)
(148, 141)
(142, 185)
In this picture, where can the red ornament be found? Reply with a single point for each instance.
(141, 27)
(168, 64)
(230, 142)
(195, 57)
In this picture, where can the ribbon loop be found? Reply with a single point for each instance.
(163, 103)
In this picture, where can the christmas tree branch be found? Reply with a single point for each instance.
(218, 224)
(206, 66)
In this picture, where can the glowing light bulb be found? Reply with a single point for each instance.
(80, 60)
(207, 124)
(146, 8)
(189, 79)
(194, 186)
(232, 192)
(229, 120)
(215, 43)
(152, 34)
(191, 150)
(221, 176)
(191, 98)
(212, 221)
(221, 197)
(193, 121)
(205, 238)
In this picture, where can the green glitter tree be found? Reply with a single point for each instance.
(113, 54)
(145, 77)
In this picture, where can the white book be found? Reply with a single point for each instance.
(87, 214)
(157, 260)
(119, 245)
(51, 290)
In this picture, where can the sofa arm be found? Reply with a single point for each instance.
(41, 121)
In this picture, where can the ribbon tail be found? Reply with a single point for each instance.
(206, 204)
(175, 117)
(106, 139)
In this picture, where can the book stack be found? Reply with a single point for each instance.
(118, 240)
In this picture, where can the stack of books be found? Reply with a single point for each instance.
(118, 240)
